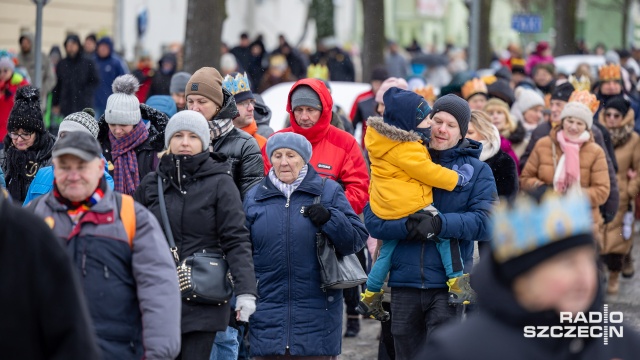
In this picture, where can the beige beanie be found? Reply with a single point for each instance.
(206, 82)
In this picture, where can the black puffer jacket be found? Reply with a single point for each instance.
(147, 152)
(205, 212)
(241, 149)
(77, 80)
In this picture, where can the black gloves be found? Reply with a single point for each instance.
(318, 214)
(423, 226)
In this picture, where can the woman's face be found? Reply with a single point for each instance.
(473, 134)
(5, 74)
(533, 115)
(203, 105)
(22, 139)
(573, 127)
(185, 143)
(477, 102)
(612, 117)
(498, 118)
(286, 164)
(566, 282)
(120, 131)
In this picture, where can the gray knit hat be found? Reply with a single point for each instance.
(290, 140)
(579, 111)
(456, 106)
(123, 107)
(179, 82)
(81, 121)
(191, 121)
(304, 95)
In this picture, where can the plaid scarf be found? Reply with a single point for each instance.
(221, 127)
(75, 209)
(287, 189)
(126, 176)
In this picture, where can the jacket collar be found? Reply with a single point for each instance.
(312, 184)
(465, 147)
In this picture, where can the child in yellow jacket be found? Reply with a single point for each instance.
(402, 178)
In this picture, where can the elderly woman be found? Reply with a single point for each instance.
(128, 145)
(618, 117)
(205, 213)
(510, 130)
(569, 156)
(27, 146)
(295, 317)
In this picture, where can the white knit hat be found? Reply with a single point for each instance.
(123, 107)
(191, 121)
(579, 111)
(525, 100)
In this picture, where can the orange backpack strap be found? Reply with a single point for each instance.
(128, 217)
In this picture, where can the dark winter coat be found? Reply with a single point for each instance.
(77, 80)
(205, 212)
(241, 149)
(465, 216)
(339, 63)
(293, 312)
(505, 173)
(147, 152)
(43, 311)
(497, 332)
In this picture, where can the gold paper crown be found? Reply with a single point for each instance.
(427, 93)
(472, 87)
(609, 72)
(579, 84)
(586, 98)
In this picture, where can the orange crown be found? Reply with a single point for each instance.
(586, 98)
(609, 72)
(427, 93)
(472, 87)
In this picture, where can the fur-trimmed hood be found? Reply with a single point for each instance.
(390, 131)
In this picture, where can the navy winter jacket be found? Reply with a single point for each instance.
(292, 311)
(464, 213)
(109, 68)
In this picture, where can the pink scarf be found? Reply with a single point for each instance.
(568, 171)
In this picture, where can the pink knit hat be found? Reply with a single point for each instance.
(389, 83)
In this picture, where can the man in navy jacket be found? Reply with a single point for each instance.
(419, 297)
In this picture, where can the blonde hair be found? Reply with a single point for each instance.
(483, 125)
(497, 104)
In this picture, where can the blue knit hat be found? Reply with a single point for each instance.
(289, 140)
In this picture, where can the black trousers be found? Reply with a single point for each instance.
(196, 345)
(386, 347)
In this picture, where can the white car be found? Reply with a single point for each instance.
(275, 97)
(569, 63)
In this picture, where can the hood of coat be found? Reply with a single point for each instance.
(517, 136)
(191, 167)
(320, 129)
(401, 108)
(621, 134)
(385, 137)
(106, 41)
(261, 113)
(465, 147)
(229, 110)
(158, 122)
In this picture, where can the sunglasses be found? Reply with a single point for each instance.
(612, 115)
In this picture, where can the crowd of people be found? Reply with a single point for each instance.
(531, 171)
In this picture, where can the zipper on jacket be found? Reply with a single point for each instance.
(289, 268)
(178, 168)
(287, 204)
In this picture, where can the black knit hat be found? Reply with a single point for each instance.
(26, 113)
(619, 103)
(502, 90)
(562, 92)
(379, 73)
(456, 106)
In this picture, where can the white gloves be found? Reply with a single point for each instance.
(245, 306)
(627, 225)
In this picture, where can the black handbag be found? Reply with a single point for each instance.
(337, 271)
(204, 276)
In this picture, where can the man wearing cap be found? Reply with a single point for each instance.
(206, 95)
(177, 85)
(238, 85)
(77, 80)
(119, 251)
(80, 121)
(419, 296)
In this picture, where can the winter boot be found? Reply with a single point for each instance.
(627, 266)
(614, 283)
(353, 326)
(371, 305)
(460, 291)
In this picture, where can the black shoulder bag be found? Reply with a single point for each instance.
(336, 271)
(204, 277)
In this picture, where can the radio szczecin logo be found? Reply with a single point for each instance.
(592, 324)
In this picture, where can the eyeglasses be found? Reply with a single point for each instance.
(247, 103)
(613, 115)
(5, 70)
(23, 136)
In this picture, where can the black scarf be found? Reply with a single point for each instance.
(20, 166)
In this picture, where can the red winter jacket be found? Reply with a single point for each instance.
(336, 153)
(7, 95)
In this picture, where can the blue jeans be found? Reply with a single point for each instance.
(225, 346)
(449, 253)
